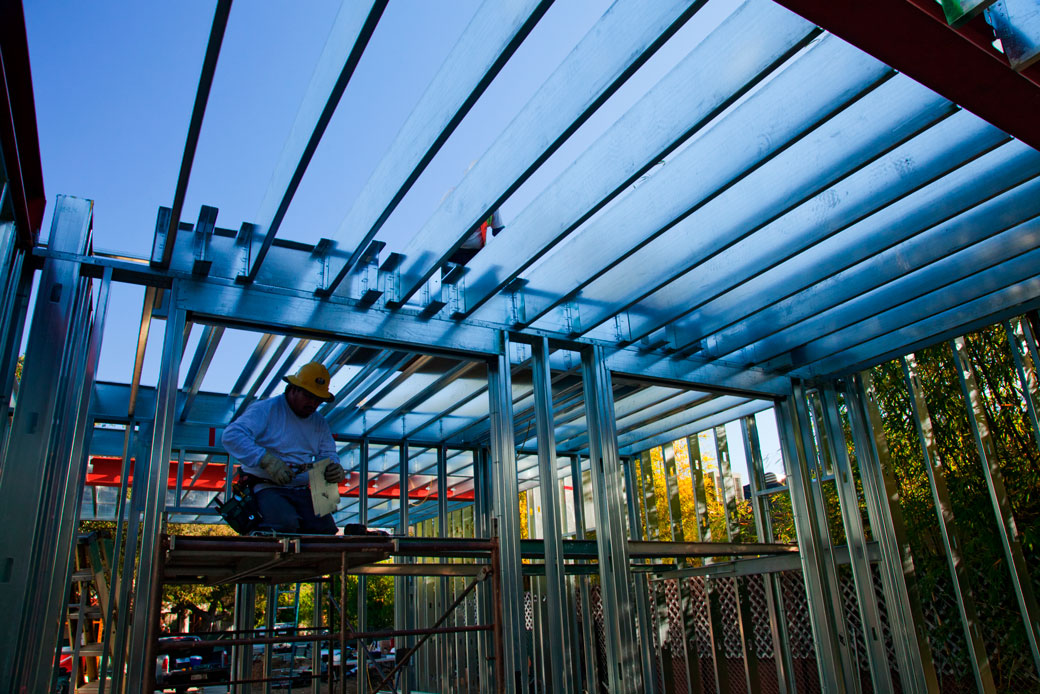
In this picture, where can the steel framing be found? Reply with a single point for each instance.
(823, 261)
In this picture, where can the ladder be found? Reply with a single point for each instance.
(88, 602)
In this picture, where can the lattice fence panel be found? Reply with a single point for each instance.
(702, 629)
(676, 635)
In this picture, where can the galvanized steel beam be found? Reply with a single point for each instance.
(699, 90)
(623, 39)
(936, 469)
(607, 485)
(490, 39)
(33, 471)
(1010, 539)
(354, 26)
(898, 573)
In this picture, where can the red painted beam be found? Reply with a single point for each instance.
(107, 472)
(19, 139)
(913, 37)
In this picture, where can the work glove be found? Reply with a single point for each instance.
(275, 468)
(334, 473)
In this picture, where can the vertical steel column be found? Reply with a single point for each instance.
(442, 583)
(796, 440)
(681, 645)
(506, 509)
(245, 620)
(155, 480)
(998, 496)
(898, 574)
(32, 457)
(65, 509)
(744, 619)
(588, 637)
(611, 541)
(270, 612)
(855, 537)
(641, 587)
(552, 534)
(362, 590)
(660, 599)
(700, 505)
(484, 525)
(404, 592)
(1023, 346)
(316, 621)
(764, 533)
(817, 443)
(936, 470)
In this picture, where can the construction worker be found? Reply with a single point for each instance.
(276, 440)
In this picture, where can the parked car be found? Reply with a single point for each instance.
(181, 668)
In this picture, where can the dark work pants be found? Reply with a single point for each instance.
(289, 510)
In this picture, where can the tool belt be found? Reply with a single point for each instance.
(240, 509)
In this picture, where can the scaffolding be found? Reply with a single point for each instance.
(806, 227)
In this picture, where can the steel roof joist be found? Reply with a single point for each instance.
(881, 292)
(714, 74)
(941, 148)
(489, 40)
(722, 417)
(897, 109)
(779, 111)
(616, 46)
(982, 178)
(350, 33)
(1003, 281)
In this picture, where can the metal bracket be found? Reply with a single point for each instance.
(517, 313)
(203, 233)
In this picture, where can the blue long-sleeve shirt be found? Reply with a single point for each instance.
(270, 425)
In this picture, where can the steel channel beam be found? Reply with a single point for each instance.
(744, 617)
(591, 669)
(859, 258)
(607, 485)
(165, 238)
(936, 469)
(1023, 347)
(562, 667)
(761, 509)
(948, 139)
(489, 40)
(636, 143)
(790, 179)
(1017, 270)
(616, 46)
(898, 573)
(978, 421)
(362, 594)
(679, 638)
(796, 444)
(720, 668)
(65, 510)
(63, 488)
(855, 537)
(154, 480)
(37, 420)
(354, 26)
(504, 507)
(208, 343)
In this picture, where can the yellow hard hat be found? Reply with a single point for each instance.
(313, 378)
